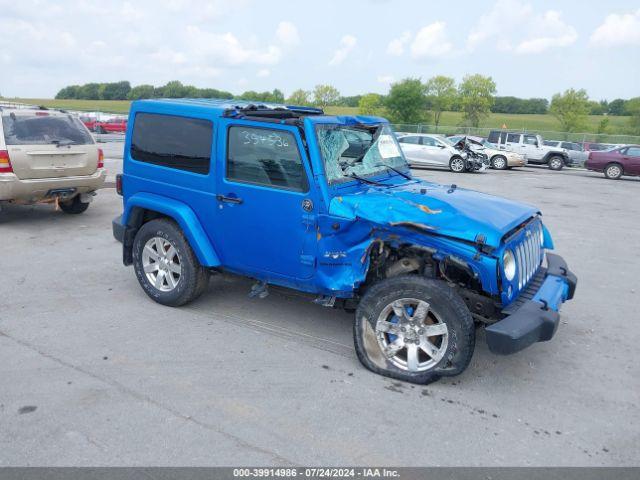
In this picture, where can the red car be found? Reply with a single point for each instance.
(113, 125)
(89, 122)
(616, 162)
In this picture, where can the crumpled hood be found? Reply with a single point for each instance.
(454, 212)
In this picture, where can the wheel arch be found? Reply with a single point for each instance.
(143, 207)
(550, 155)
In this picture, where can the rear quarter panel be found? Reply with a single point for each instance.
(193, 190)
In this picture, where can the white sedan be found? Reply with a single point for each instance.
(425, 150)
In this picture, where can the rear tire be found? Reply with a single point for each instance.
(556, 163)
(414, 329)
(457, 164)
(74, 206)
(613, 171)
(166, 266)
(499, 162)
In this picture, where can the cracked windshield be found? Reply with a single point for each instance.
(358, 150)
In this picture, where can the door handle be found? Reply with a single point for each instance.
(222, 198)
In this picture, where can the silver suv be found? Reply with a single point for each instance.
(48, 156)
(532, 146)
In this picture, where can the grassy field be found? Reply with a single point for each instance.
(542, 123)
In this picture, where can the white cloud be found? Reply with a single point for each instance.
(347, 43)
(551, 32)
(386, 79)
(618, 30)
(263, 73)
(431, 41)
(396, 46)
(515, 26)
(287, 34)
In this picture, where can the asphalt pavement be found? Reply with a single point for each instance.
(92, 372)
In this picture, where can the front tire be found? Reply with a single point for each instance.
(613, 171)
(556, 163)
(499, 162)
(457, 164)
(74, 206)
(414, 329)
(166, 267)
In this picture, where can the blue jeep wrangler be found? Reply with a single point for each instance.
(327, 205)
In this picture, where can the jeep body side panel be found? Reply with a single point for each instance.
(183, 215)
(157, 187)
(267, 230)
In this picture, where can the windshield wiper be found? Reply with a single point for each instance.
(365, 180)
(399, 172)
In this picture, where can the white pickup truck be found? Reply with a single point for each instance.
(532, 146)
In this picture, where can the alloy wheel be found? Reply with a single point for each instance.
(411, 335)
(161, 264)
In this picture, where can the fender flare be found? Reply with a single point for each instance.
(182, 214)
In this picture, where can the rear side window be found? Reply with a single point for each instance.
(513, 137)
(266, 157)
(44, 129)
(411, 139)
(171, 141)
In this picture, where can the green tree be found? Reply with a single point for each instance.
(173, 89)
(115, 91)
(406, 101)
(215, 93)
(141, 91)
(632, 108)
(70, 92)
(476, 96)
(325, 95)
(89, 91)
(571, 109)
(370, 104)
(300, 97)
(441, 93)
(603, 125)
(616, 107)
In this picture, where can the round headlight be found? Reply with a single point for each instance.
(509, 262)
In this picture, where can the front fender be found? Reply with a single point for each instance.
(183, 215)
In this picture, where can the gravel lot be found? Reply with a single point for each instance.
(92, 372)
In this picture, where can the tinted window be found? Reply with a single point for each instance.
(44, 129)
(530, 140)
(633, 151)
(265, 157)
(413, 140)
(513, 137)
(175, 142)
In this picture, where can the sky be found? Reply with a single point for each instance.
(530, 48)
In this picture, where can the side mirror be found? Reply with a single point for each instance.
(440, 145)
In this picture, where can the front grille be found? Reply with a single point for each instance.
(528, 253)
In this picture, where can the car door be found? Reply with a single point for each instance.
(434, 153)
(632, 160)
(441, 151)
(412, 149)
(529, 147)
(512, 143)
(265, 203)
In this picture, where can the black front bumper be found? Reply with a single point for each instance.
(534, 317)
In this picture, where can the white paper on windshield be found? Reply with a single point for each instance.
(387, 147)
